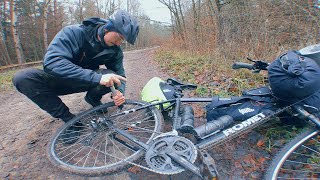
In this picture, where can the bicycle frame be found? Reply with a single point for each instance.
(202, 144)
(163, 150)
(210, 140)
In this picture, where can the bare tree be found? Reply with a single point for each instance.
(81, 2)
(15, 33)
(5, 54)
(45, 23)
(172, 6)
(98, 8)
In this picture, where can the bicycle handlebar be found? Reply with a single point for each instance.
(239, 65)
(256, 66)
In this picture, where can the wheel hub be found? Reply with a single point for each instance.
(158, 160)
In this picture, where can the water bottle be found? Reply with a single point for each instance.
(213, 126)
(187, 119)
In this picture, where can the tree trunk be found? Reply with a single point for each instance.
(45, 24)
(98, 8)
(195, 24)
(15, 33)
(55, 14)
(179, 24)
(211, 12)
(219, 21)
(6, 55)
(182, 16)
(80, 10)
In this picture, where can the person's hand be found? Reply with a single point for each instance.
(111, 79)
(119, 98)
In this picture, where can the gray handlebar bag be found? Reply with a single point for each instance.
(293, 77)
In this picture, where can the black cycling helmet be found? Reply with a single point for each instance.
(312, 51)
(126, 25)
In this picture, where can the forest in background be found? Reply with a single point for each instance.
(237, 28)
(224, 28)
(28, 26)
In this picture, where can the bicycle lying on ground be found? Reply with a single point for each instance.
(112, 138)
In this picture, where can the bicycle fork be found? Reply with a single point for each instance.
(306, 115)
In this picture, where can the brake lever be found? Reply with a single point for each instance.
(258, 65)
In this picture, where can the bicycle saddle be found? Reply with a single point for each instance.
(179, 84)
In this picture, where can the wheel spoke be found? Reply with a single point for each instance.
(297, 162)
(97, 146)
(299, 159)
(300, 170)
(311, 149)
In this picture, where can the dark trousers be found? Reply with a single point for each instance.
(44, 89)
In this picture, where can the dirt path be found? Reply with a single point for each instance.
(25, 132)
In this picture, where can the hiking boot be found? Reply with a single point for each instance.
(67, 116)
(71, 135)
(92, 102)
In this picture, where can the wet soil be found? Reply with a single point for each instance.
(25, 132)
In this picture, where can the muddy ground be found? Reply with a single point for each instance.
(25, 131)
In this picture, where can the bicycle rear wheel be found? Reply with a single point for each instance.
(299, 159)
(98, 150)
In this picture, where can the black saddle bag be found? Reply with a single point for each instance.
(241, 108)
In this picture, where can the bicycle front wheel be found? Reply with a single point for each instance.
(299, 159)
(93, 149)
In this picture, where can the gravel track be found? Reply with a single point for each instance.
(25, 132)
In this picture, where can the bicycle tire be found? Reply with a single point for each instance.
(298, 159)
(89, 148)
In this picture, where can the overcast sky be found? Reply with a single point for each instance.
(156, 10)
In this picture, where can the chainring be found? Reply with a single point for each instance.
(160, 162)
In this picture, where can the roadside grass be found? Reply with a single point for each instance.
(213, 76)
(6, 79)
(277, 133)
(216, 78)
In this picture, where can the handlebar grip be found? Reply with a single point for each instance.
(238, 65)
(114, 92)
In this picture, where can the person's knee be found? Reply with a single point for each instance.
(22, 79)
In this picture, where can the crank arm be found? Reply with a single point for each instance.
(210, 165)
(184, 163)
(125, 134)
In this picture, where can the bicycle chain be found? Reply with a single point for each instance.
(152, 170)
(241, 132)
(223, 141)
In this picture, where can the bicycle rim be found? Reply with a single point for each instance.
(99, 150)
(299, 159)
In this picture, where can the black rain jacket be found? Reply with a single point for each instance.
(75, 53)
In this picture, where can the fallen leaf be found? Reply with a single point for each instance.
(262, 160)
(251, 83)
(134, 169)
(233, 89)
(307, 166)
(260, 143)
(215, 78)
